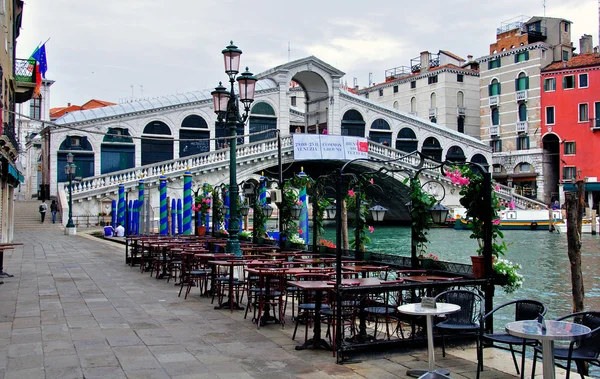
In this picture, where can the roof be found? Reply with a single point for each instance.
(581, 60)
(149, 104)
(538, 18)
(95, 103)
(446, 52)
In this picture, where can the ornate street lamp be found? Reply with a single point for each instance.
(377, 212)
(244, 210)
(267, 210)
(295, 211)
(439, 213)
(330, 209)
(70, 170)
(228, 113)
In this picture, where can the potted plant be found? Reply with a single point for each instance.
(245, 235)
(427, 260)
(202, 207)
(297, 242)
(324, 244)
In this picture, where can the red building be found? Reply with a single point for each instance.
(571, 124)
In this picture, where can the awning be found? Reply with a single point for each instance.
(12, 171)
(500, 176)
(592, 187)
(531, 175)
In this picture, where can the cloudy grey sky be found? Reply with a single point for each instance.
(98, 49)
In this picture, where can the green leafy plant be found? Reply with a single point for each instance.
(295, 238)
(363, 233)
(203, 202)
(510, 272)
(259, 220)
(421, 203)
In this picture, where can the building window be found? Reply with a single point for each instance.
(413, 105)
(494, 88)
(549, 85)
(568, 82)
(293, 101)
(495, 116)
(380, 92)
(461, 124)
(522, 57)
(522, 82)
(522, 112)
(496, 146)
(583, 80)
(566, 27)
(524, 167)
(523, 143)
(569, 173)
(494, 63)
(543, 54)
(583, 113)
(395, 105)
(367, 95)
(549, 115)
(460, 78)
(35, 108)
(570, 148)
(395, 89)
(565, 56)
(432, 79)
(413, 84)
(460, 99)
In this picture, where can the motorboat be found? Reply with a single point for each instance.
(514, 219)
(586, 226)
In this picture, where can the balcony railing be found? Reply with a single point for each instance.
(462, 111)
(432, 112)
(595, 124)
(396, 73)
(494, 100)
(522, 95)
(521, 126)
(25, 71)
(494, 130)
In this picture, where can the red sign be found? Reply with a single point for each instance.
(362, 147)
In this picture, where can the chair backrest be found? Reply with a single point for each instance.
(591, 320)
(470, 312)
(529, 309)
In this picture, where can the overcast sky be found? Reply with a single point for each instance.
(98, 49)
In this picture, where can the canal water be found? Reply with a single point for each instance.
(542, 255)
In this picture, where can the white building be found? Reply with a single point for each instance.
(442, 87)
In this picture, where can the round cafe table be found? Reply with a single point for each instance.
(415, 309)
(554, 331)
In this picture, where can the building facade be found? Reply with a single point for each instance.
(510, 99)
(443, 88)
(571, 124)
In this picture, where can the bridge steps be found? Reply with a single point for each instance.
(27, 217)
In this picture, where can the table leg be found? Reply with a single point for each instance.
(2, 273)
(548, 359)
(230, 303)
(316, 342)
(431, 372)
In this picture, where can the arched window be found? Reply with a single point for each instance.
(433, 101)
(262, 119)
(455, 154)
(460, 99)
(406, 140)
(432, 148)
(495, 116)
(156, 148)
(83, 157)
(522, 82)
(480, 159)
(413, 104)
(494, 87)
(395, 105)
(194, 137)
(384, 136)
(353, 124)
(522, 112)
(117, 151)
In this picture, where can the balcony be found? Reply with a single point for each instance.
(595, 124)
(462, 111)
(521, 95)
(494, 100)
(25, 79)
(494, 130)
(432, 112)
(397, 73)
(521, 126)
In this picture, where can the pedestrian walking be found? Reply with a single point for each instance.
(54, 210)
(43, 209)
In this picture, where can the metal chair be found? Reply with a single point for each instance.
(524, 309)
(465, 321)
(586, 350)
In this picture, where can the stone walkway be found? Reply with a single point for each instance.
(75, 310)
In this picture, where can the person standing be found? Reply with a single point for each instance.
(43, 209)
(54, 210)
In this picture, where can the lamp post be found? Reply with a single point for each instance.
(228, 112)
(70, 170)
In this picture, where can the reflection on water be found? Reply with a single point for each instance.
(542, 255)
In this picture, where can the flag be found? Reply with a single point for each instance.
(40, 56)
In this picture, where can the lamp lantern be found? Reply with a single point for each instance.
(331, 210)
(439, 213)
(231, 55)
(220, 99)
(247, 83)
(267, 210)
(224, 209)
(244, 210)
(377, 212)
(295, 211)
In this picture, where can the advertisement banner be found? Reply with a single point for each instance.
(328, 147)
(332, 147)
(307, 147)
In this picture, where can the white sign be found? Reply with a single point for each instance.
(328, 147)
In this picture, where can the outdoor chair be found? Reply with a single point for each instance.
(348, 312)
(306, 302)
(466, 321)
(586, 350)
(524, 309)
(383, 306)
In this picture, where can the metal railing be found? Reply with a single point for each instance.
(595, 123)
(494, 130)
(462, 111)
(521, 126)
(432, 112)
(25, 71)
(397, 72)
(494, 100)
(521, 95)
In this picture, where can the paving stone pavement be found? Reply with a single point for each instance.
(74, 310)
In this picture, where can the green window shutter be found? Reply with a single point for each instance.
(489, 65)
(500, 146)
(527, 55)
(499, 62)
(517, 85)
(516, 58)
(490, 90)
(527, 139)
(527, 82)
(499, 89)
(564, 80)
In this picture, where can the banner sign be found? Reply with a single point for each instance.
(329, 147)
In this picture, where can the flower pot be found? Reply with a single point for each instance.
(478, 266)
(322, 249)
(201, 231)
(426, 263)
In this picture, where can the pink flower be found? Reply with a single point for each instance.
(496, 221)
(351, 193)
(371, 229)
(299, 231)
(497, 187)
(299, 202)
(372, 181)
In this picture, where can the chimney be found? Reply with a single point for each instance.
(585, 44)
(68, 104)
(425, 61)
(469, 58)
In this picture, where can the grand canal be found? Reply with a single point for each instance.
(542, 255)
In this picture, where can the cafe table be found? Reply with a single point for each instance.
(416, 309)
(231, 302)
(547, 334)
